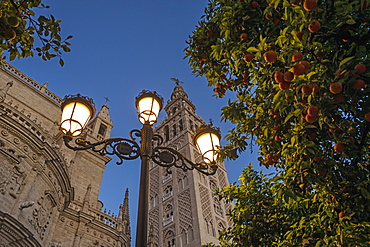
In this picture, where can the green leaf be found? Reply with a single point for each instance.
(346, 60)
(61, 62)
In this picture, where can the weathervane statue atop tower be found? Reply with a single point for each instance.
(177, 81)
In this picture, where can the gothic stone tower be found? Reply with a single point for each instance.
(49, 193)
(183, 210)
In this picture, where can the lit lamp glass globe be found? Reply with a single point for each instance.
(207, 140)
(148, 104)
(77, 110)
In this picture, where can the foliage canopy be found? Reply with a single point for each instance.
(20, 25)
(300, 70)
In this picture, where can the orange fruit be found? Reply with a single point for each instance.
(336, 87)
(229, 83)
(288, 76)
(310, 119)
(268, 16)
(276, 22)
(361, 68)
(367, 116)
(306, 64)
(320, 54)
(270, 56)
(277, 138)
(297, 56)
(359, 84)
(314, 26)
(279, 77)
(284, 85)
(210, 32)
(313, 111)
(338, 99)
(203, 58)
(13, 21)
(297, 3)
(341, 215)
(254, 4)
(299, 35)
(10, 34)
(340, 73)
(315, 87)
(312, 136)
(317, 158)
(298, 69)
(339, 147)
(248, 57)
(245, 76)
(306, 89)
(244, 36)
(309, 5)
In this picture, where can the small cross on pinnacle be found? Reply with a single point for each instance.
(106, 100)
(211, 121)
(177, 81)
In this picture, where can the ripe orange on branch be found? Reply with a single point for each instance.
(314, 26)
(254, 4)
(306, 64)
(288, 76)
(339, 148)
(309, 5)
(248, 57)
(298, 69)
(284, 85)
(270, 56)
(279, 77)
(336, 87)
(313, 110)
(310, 118)
(359, 84)
(367, 116)
(361, 68)
(297, 56)
(244, 36)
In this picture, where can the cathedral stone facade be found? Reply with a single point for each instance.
(47, 197)
(183, 210)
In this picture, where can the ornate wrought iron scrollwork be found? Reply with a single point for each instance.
(168, 157)
(124, 149)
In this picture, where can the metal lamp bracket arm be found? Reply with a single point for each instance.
(124, 149)
(168, 157)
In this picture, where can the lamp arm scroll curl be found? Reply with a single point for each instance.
(124, 149)
(168, 157)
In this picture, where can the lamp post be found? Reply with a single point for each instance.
(78, 110)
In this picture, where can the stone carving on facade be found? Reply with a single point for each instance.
(41, 215)
(12, 176)
(4, 91)
(154, 221)
(186, 217)
(154, 184)
(169, 237)
(205, 202)
(222, 178)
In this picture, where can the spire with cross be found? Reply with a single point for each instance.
(177, 81)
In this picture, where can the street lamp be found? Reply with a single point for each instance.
(78, 110)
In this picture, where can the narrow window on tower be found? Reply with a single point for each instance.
(174, 130)
(181, 125)
(166, 133)
(102, 129)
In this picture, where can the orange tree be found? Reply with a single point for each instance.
(20, 25)
(300, 72)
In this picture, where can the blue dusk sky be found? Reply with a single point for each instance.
(119, 48)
